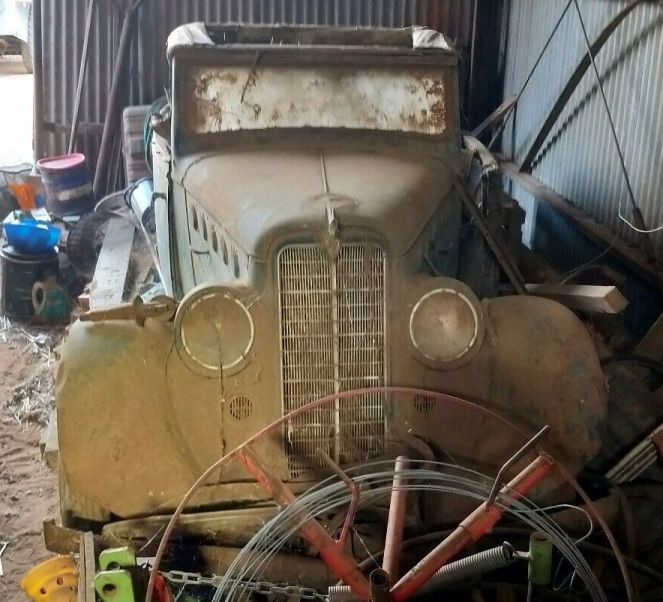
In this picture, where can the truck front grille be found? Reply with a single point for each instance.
(332, 340)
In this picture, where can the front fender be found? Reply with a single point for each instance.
(135, 427)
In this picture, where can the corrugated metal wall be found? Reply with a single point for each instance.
(63, 29)
(63, 26)
(579, 160)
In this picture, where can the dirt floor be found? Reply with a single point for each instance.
(28, 489)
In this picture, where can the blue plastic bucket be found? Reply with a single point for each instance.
(68, 185)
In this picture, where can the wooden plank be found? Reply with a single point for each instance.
(87, 541)
(583, 297)
(632, 257)
(139, 266)
(110, 275)
(82, 573)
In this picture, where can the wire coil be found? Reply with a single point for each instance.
(331, 495)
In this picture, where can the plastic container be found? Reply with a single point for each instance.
(19, 274)
(68, 184)
(32, 237)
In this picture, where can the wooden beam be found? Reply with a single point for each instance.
(630, 256)
(583, 297)
(651, 345)
(82, 574)
(495, 117)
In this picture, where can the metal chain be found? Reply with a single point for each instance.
(290, 592)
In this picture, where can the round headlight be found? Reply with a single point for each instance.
(213, 331)
(446, 325)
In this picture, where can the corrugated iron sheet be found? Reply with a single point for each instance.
(63, 30)
(579, 159)
(63, 23)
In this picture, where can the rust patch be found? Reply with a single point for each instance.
(255, 98)
(438, 114)
(229, 78)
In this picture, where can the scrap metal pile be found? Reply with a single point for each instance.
(345, 381)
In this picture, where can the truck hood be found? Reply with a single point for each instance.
(260, 196)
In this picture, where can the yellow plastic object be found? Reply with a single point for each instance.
(55, 580)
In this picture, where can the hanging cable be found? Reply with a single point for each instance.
(635, 210)
(640, 230)
(529, 77)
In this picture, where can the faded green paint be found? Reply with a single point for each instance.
(117, 558)
(115, 586)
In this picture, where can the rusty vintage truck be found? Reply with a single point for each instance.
(324, 227)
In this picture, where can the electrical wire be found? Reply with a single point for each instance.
(619, 557)
(588, 516)
(633, 227)
(575, 271)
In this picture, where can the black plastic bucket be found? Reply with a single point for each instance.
(19, 274)
(68, 185)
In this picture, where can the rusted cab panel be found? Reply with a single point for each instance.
(303, 78)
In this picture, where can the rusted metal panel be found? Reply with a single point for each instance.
(578, 159)
(63, 23)
(412, 100)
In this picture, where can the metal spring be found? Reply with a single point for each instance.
(471, 566)
(454, 572)
(341, 593)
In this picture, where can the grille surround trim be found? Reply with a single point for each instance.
(332, 338)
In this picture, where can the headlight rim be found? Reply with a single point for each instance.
(191, 300)
(445, 285)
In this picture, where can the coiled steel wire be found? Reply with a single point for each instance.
(332, 495)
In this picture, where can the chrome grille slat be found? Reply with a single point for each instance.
(332, 340)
